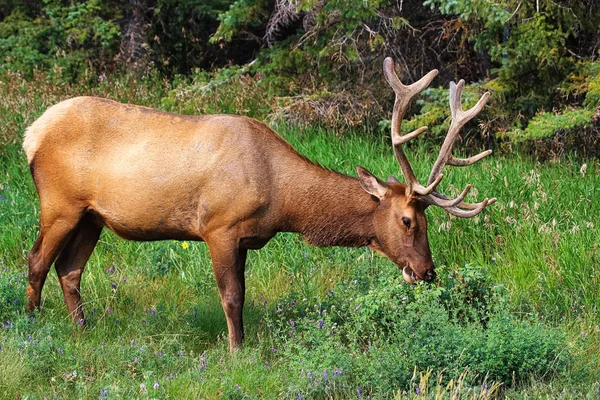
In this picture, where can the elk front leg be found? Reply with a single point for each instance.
(229, 262)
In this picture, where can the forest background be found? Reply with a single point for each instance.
(319, 62)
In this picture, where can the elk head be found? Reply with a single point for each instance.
(399, 221)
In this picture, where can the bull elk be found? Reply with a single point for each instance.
(229, 181)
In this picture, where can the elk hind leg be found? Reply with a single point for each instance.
(54, 233)
(71, 262)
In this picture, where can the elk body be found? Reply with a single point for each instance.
(229, 181)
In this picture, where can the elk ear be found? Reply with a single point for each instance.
(371, 184)
(392, 179)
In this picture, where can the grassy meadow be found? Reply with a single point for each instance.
(514, 312)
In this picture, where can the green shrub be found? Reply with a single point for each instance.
(64, 40)
(381, 335)
(227, 91)
(592, 81)
(547, 124)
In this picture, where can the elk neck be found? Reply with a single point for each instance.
(329, 209)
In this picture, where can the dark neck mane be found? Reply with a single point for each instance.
(330, 209)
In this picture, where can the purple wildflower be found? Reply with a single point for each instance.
(156, 385)
(320, 324)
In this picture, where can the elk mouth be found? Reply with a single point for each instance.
(409, 275)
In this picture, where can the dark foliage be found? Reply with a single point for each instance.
(318, 61)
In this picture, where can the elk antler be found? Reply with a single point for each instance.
(404, 95)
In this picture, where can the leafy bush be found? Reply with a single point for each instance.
(584, 82)
(228, 91)
(528, 41)
(546, 124)
(352, 335)
(66, 39)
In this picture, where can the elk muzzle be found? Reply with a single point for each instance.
(411, 276)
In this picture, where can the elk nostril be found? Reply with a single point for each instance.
(429, 275)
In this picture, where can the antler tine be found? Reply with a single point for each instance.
(459, 119)
(404, 95)
(463, 162)
(438, 199)
(458, 212)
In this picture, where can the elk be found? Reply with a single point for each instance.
(229, 181)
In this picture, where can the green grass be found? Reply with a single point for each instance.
(515, 311)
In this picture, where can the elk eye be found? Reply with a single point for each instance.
(406, 222)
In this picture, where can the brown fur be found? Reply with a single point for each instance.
(230, 181)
